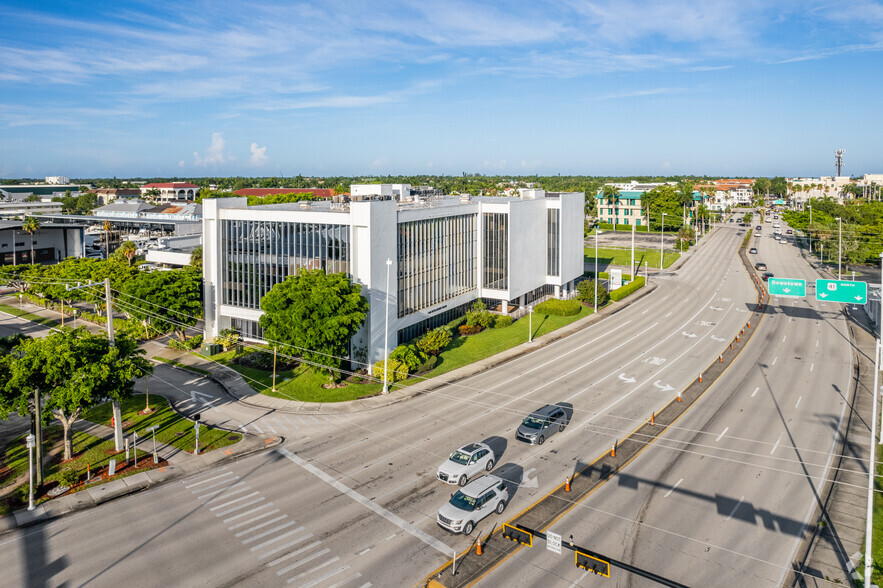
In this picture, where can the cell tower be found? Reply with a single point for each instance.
(838, 160)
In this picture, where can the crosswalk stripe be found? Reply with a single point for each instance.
(228, 494)
(286, 546)
(235, 500)
(317, 568)
(255, 425)
(270, 532)
(246, 513)
(253, 519)
(288, 420)
(269, 425)
(203, 475)
(218, 491)
(271, 541)
(264, 524)
(307, 559)
(209, 479)
(235, 508)
(345, 581)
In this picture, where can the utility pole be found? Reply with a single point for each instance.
(872, 466)
(632, 266)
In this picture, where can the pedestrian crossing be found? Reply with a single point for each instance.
(279, 543)
(282, 424)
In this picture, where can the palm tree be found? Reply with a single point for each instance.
(107, 229)
(30, 226)
(611, 195)
(128, 250)
(685, 197)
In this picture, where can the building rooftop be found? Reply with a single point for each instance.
(318, 192)
(170, 185)
(123, 206)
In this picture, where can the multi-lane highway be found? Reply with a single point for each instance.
(352, 500)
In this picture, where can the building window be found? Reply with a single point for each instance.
(553, 236)
(496, 251)
(259, 254)
(436, 261)
(247, 329)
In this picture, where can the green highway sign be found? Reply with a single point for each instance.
(842, 291)
(787, 287)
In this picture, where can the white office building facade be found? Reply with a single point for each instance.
(446, 253)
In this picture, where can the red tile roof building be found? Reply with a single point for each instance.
(318, 192)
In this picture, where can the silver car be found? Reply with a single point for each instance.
(542, 424)
(472, 503)
(466, 462)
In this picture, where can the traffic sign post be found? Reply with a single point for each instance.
(553, 542)
(842, 291)
(787, 287)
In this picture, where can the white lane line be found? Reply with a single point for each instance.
(777, 444)
(817, 342)
(798, 402)
(355, 576)
(235, 500)
(783, 338)
(271, 531)
(307, 559)
(286, 546)
(755, 391)
(672, 489)
(261, 525)
(775, 359)
(393, 536)
(274, 540)
(811, 366)
(260, 430)
(209, 480)
(228, 494)
(235, 508)
(204, 475)
(213, 492)
(364, 551)
(248, 512)
(215, 485)
(367, 503)
(735, 508)
(668, 315)
(323, 578)
(253, 519)
(269, 425)
(243, 429)
(645, 312)
(724, 432)
(366, 585)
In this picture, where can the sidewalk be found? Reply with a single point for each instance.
(169, 453)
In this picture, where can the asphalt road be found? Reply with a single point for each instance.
(363, 487)
(724, 498)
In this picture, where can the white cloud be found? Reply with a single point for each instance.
(215, 153)
(181, 163)
(258, 155)
(380, 162)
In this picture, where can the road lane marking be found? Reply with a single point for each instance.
(364, 551)
(286, 546)
(735, 508)
(775, 359)
(255, 425)
(798, 402)
(225, 496)
(235, 500)
(784, 337)
(243, 429)
(755, 391)
(275, 539)
(287, 420)
(253, 519)
(393, 536)
(307, 559)
(248, 512)
(777, 444)
(811, 366)
(668, 315)
(724, 432)
(672, 489)
(645, 312)
(213, 492)
(273, 530)
(269, 425)
(235, 508)
(209, 479)
(216, 484)
(317, 568)
(817, 342)
(261, 525)
(370, 504)
(346, 581)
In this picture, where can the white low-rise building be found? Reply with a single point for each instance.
(446, 253)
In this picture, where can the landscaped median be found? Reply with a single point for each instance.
(92, 454)
(623, 257)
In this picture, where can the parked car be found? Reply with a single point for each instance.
(789, 232)
(760, 266)
(759, 228)
(753, 250)
(541, 424)
(472, 503)
(767, 276)
(466, 462)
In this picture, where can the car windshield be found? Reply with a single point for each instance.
(534, 422)
(459, 457)
(463, 502)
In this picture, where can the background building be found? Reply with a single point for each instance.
(51, 243)
(161, 192)
(447, 252)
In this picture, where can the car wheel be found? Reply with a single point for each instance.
(560, 428)
(501, 507)
(462, 481)
(467, 530)
(490, 464)
(541, 440)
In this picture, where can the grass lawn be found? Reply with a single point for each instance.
(624, 256)
(172, 429)
(14, 310)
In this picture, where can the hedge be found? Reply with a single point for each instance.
(502, 321)
(396, 370)
(621, 293)
(557, 307)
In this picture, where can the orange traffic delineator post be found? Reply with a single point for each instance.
(749, 325)
(88, 473)
(478, 546)
(731, 345)
(720, 358)
(737, 338)
(700, 378)
(567, 484)
(652, 418)
(679, 395)
(613, 450)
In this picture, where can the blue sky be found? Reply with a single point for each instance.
(718, 87)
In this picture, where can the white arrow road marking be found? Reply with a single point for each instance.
(718, 338)
(527, 481)
(195, 393)
(691, 335)
(740, 310)
(715, 308)
(663, 387)
(625, 379)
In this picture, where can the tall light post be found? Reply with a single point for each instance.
(809, 228)
(839, 245)
(530, 324)
(661, 237)
(597, 232)
(386, 333)
(632, 266)
(31, 442)
(878, 349)
(153, 430)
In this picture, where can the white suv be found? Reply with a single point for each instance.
(466, 462)
(472, 503)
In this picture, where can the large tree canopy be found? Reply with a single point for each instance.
(314, 315)
(167, 300)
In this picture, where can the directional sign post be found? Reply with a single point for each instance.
(842, 291)
(787, 287)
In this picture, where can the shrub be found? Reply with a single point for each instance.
(479, 316)
(621, 293)
(557, 307)
(502, 321)
(187, 344)
(408, 354)
(586, 293)
(434, 341)
(427, 366)
(469, 329)
(68, 477)
(396, 370)
(454, 324)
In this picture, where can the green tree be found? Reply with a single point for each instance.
(761, 186)
(586, 293)
(779, 186)
(314, 315)
(169, 301)
(196, 257)
(127, 250)
(71, 371)
(610, 194)
(434, 341)
(30, 226)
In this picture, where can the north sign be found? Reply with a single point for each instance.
(842, 291)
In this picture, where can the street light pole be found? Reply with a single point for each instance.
(839, 246)
(31, 441)
(661, 237)
(809, 228)
(386, 333)
(530, 323)
(597, 232)
(632, 266)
